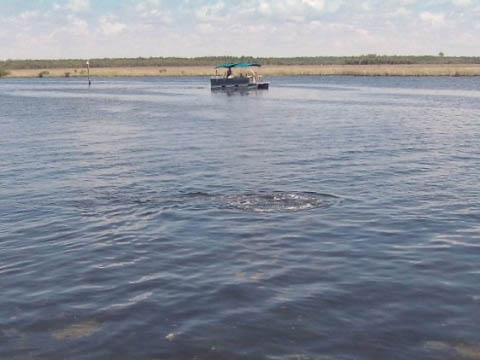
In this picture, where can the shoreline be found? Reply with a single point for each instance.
(267, 70)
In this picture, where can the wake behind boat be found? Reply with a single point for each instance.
(248, 80)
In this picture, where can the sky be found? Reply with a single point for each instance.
(49, 29)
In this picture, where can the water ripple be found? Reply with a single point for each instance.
(140, 224)
(269, 202)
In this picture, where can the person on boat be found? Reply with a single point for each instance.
(229, 73)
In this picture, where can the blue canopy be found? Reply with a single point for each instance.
(232, 65)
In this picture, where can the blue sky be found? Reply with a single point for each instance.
(131, 28)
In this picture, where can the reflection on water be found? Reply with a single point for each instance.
(77, 330)
(325, 218)
(445, 350)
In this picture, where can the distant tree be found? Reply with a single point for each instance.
(77, 66)
(4, 72)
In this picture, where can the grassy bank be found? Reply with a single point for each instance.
(268, 70)
(370, 59)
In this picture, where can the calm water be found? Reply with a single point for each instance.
(326, 218)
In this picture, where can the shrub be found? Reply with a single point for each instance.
(4, 72)
(41, 74)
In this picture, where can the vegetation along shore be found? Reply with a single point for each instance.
(368, 65)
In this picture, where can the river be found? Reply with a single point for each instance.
(324, 218)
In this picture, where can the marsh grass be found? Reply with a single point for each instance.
(268, 70)
(43, 73)
(374, 70)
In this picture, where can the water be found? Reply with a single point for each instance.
(325, 218)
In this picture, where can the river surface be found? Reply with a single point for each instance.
(325, 218)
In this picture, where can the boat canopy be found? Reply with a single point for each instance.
(232, 65)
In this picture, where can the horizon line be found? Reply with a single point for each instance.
(439, 55)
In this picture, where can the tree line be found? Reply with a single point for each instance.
(370, 59)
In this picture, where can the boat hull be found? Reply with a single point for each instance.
(241, 83)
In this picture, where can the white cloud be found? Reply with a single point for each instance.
(333, 5)
(264, 8)
(214, 12)
(462, 2)
(206, 28)
(318, 5)
(149, 12)
(78, 5)
(79, 27)
(76, 26)
(295, 9)
(148, 5)
(366, 5)
(28, 15)
(248, 27)
(72, 30)
(433, 18)
(400, 12)
(111, 27)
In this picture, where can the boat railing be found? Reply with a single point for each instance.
(220, 76)
(253, 77)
